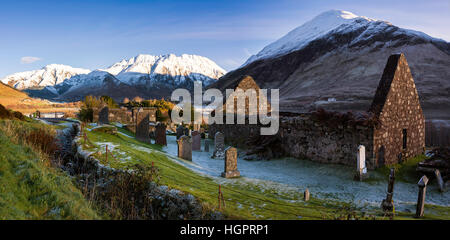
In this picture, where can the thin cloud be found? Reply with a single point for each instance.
(28, 60)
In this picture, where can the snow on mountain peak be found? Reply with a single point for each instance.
(301, 36)
(144, 65)
(49, 75)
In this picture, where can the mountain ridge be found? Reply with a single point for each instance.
(140, 74)
(346, 64)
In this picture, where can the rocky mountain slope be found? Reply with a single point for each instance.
(144, 76)
(336, 60)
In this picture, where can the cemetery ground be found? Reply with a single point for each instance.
(270, 198)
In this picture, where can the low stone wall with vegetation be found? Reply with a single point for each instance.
(327, 139)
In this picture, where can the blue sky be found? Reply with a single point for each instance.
(96, 34)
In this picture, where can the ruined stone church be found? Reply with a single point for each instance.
(392, 130)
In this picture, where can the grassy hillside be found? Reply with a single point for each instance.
(21, 102)
(30, 188)
(8, 93)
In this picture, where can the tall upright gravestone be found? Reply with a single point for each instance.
(180, 131)
(103, 115)
(423, 182)
(219, 144)
(361, 169)
(196, 141)
(186, 132)
(160, 134)
(388, 203)
(185, 148)
(142, 125)
(231, 170)
(206, 146)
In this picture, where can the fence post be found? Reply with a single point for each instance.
(106, 153)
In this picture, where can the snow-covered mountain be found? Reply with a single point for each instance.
(143, 75)
(49, 75)
(339, 55)
(323, 24)
(176, 69)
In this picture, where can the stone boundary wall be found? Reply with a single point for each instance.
(121, 115)
(302, 137)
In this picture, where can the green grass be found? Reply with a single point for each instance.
(244, 200)
(29, 187)
(406, 171)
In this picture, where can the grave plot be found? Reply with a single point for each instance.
(327, 181)
(261, 191)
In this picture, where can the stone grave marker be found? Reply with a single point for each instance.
(160, 134)
(421, 199)
(230, 170)
(103, 115)
(361, 169)
(206, 146)
(219, 144)
(439, 180)
(185, 148)
(186, 132)
(196, 141)
(388, 204)
(306, 195)
(180, 131)
(142, 125)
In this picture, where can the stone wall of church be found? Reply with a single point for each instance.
(305, 138)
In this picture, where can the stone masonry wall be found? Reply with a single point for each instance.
(302, 137)
(397, 105)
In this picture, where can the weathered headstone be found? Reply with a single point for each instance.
(361, 169)
(219, 144)
(388, 204)
(206, 146)
(103, 115)
(160, 134)
(180, 131)
(230, 170)
(439, 180)
(306, 195)
(196, 141)
(185, 148)
(421, 199)
(142, 125)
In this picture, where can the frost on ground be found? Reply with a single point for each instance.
(326, 181)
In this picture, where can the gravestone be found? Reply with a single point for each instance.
(388, 204)
(219, 144)
(142, 125)
(103, 115)
(361, 169)
(306, 195)
(186, 132)
(185, 148)
(439, 179)
(206, 146)
(421, 199)
(180, 131)
(196, 141)
(160, 134)
(230, 170)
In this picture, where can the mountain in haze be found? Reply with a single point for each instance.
(335, 61)
(144, 76)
